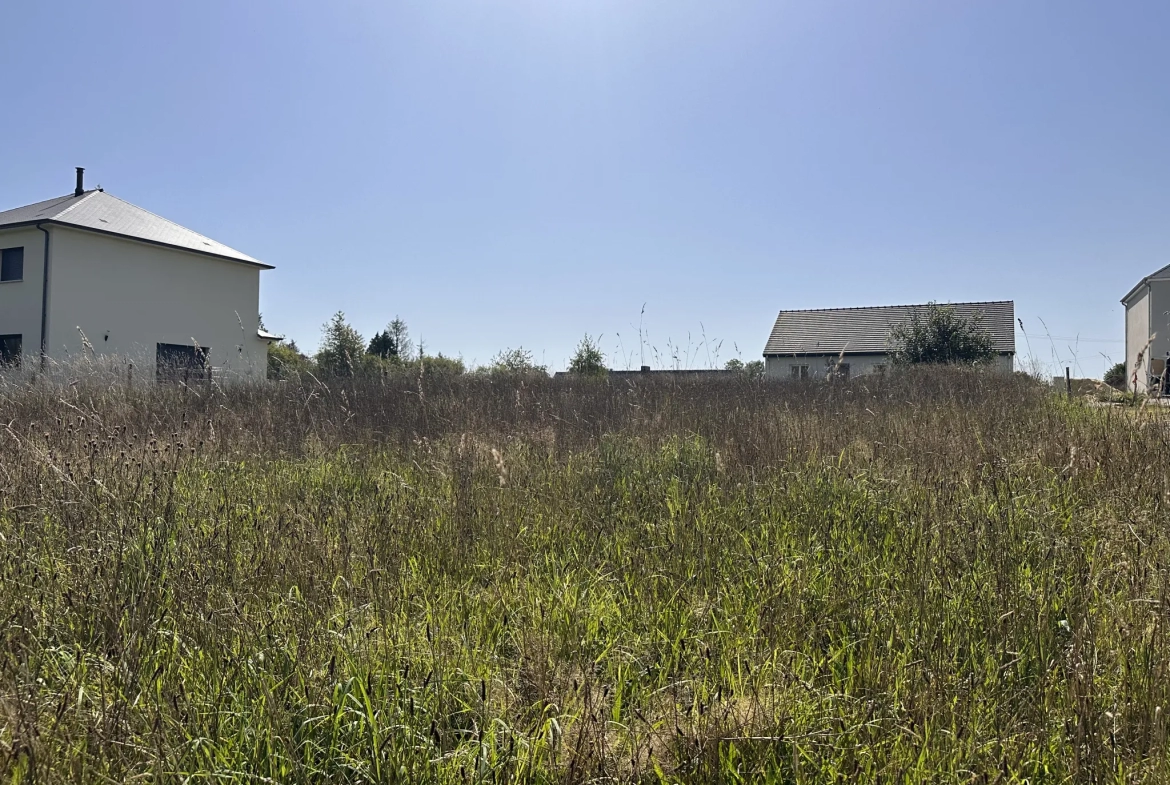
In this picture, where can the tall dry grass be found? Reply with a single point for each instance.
(928, 577)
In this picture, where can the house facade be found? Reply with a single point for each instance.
(845, 342)
(1147, 330)
(89, 274)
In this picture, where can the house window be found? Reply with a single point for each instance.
(10, 346)
(12, 264)
(842, 370)
(180, 363)
(799, 371)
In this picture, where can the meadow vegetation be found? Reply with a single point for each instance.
(933, 576)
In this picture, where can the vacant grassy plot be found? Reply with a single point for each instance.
(935, 577)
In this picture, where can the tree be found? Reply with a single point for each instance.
(342, 351)
(588, 359)
(514, 362)
(401, 337)
(393, 342)
(383, 345)
(937, 335)
(1115, 376)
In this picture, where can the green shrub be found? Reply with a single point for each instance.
(286, 361)
(753, 369)
(938, 335)
(514, 362)
(1115, 376)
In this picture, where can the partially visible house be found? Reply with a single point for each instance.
(1147, 330)
(173, 302)
(856, 341)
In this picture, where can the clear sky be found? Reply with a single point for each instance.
(522, 172)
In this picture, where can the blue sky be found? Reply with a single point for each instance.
(520, 173)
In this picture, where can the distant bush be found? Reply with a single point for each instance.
(753, 369)
(286, 361)
(514, 362)
(436, 365)
(1115, 376)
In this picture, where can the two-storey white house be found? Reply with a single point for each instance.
(88, 273)
(1147, 331)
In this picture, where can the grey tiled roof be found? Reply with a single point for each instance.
(99, 211)
(867, 330)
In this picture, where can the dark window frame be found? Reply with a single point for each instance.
(11, 350)
(12, 264)
(798, 372)
(178, 362)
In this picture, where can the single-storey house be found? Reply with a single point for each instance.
(1147, 330)
(856, 341)
(89, 274)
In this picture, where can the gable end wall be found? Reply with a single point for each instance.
(128, 296)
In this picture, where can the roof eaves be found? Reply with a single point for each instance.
(78, 227)
(1157, 275)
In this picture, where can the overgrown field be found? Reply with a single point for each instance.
(936, 577)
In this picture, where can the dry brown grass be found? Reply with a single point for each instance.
(933, 576)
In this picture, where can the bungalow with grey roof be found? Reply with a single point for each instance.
(846, 342)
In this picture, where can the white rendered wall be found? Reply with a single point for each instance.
(128, 296)
(818, 366)
(859, 365)
(20, 301)
(1159, 316)
(1137, 334)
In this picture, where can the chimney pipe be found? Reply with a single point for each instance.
(80, 181)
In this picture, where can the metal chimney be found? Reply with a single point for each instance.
(80, 181)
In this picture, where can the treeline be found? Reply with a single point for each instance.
(344, 352)
(934, 335)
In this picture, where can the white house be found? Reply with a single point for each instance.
(1147, 329)
(89, 267)
(856, 341)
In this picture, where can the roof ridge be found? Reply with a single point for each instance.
(78, 200)
(906, 305)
